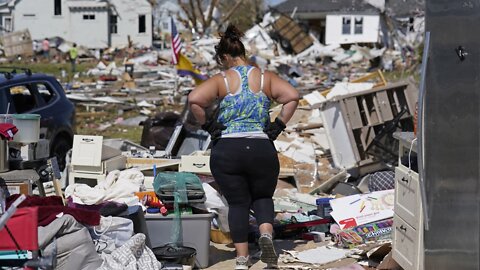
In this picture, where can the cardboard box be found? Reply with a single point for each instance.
(19, 188)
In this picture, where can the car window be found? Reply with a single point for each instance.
(22, 98)
(46, 92)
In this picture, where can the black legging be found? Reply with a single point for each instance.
(246, 171)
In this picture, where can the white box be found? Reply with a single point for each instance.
(87, 154)
(114, 163)
(90, 179)
(196, 163)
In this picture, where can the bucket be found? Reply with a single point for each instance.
(175, 255)
(28, 128)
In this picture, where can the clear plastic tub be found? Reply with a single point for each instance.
(195, 232)
(28, 128)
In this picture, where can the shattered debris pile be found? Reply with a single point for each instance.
(337, 154)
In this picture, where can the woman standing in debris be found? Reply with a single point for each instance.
(243, 159)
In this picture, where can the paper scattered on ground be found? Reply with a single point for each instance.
(322, 255)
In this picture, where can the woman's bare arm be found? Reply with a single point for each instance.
(202, 97)
(285, 94)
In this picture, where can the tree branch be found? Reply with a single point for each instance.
(194, 16)
(187, 12)
(213, 4)
(202, 16)
(231, 11)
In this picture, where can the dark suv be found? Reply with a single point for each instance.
(40, 94)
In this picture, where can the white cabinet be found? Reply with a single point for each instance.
(408, 217)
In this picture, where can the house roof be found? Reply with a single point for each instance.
(397, 8)
(401, 8)
(325, 6)
(87, 4)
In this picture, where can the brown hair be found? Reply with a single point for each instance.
(230, 44)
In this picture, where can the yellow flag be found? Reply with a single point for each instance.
(185, 68)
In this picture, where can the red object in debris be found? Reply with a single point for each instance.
(348, 223)
(7, 131)
(23, 225)
(107, 78)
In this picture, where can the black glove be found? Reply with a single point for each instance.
(273, 129)
(213, 127)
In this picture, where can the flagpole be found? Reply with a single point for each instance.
(176, 80)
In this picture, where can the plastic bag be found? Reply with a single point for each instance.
(111, 233)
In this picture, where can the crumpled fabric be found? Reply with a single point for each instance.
(133, 255)
(118, 186)
(111, 233)
(71, 242)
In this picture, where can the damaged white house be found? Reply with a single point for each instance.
(90, 23)
(355, 21)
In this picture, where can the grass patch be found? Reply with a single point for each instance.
(131, 133)
(92, 123)
(54, 69)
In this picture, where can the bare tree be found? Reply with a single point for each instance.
(200, 20)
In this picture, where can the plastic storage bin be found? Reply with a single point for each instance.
(28, 128)
(195, 232)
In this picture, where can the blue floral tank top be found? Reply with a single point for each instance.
(244, 111)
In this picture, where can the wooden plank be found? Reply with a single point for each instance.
(372, 110)
(384, 105)
(90, 114)
(377, 109)
(159, 162)
(353, 112)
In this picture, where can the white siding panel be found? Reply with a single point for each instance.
(89, 33)
(128, 13)
(43, 23)
(333, 31)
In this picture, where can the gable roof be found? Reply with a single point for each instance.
(325, 6)
(404, 8)
(397, 8)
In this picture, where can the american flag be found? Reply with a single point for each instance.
(176, 43)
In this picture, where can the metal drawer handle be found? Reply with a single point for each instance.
(404, 180)
(199, 165)
(402, 228)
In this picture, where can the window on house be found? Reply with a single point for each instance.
(113, 24)
(89, 16)
(411, 24)
(7, 23)
(358, 25)
(142, 24)
(57, 7)
(346, 25)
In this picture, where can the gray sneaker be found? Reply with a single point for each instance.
(268, 256)
(242, 263)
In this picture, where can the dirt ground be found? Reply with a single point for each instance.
(222, 257)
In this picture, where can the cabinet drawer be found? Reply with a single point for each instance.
(405, 244)
(407, 196)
